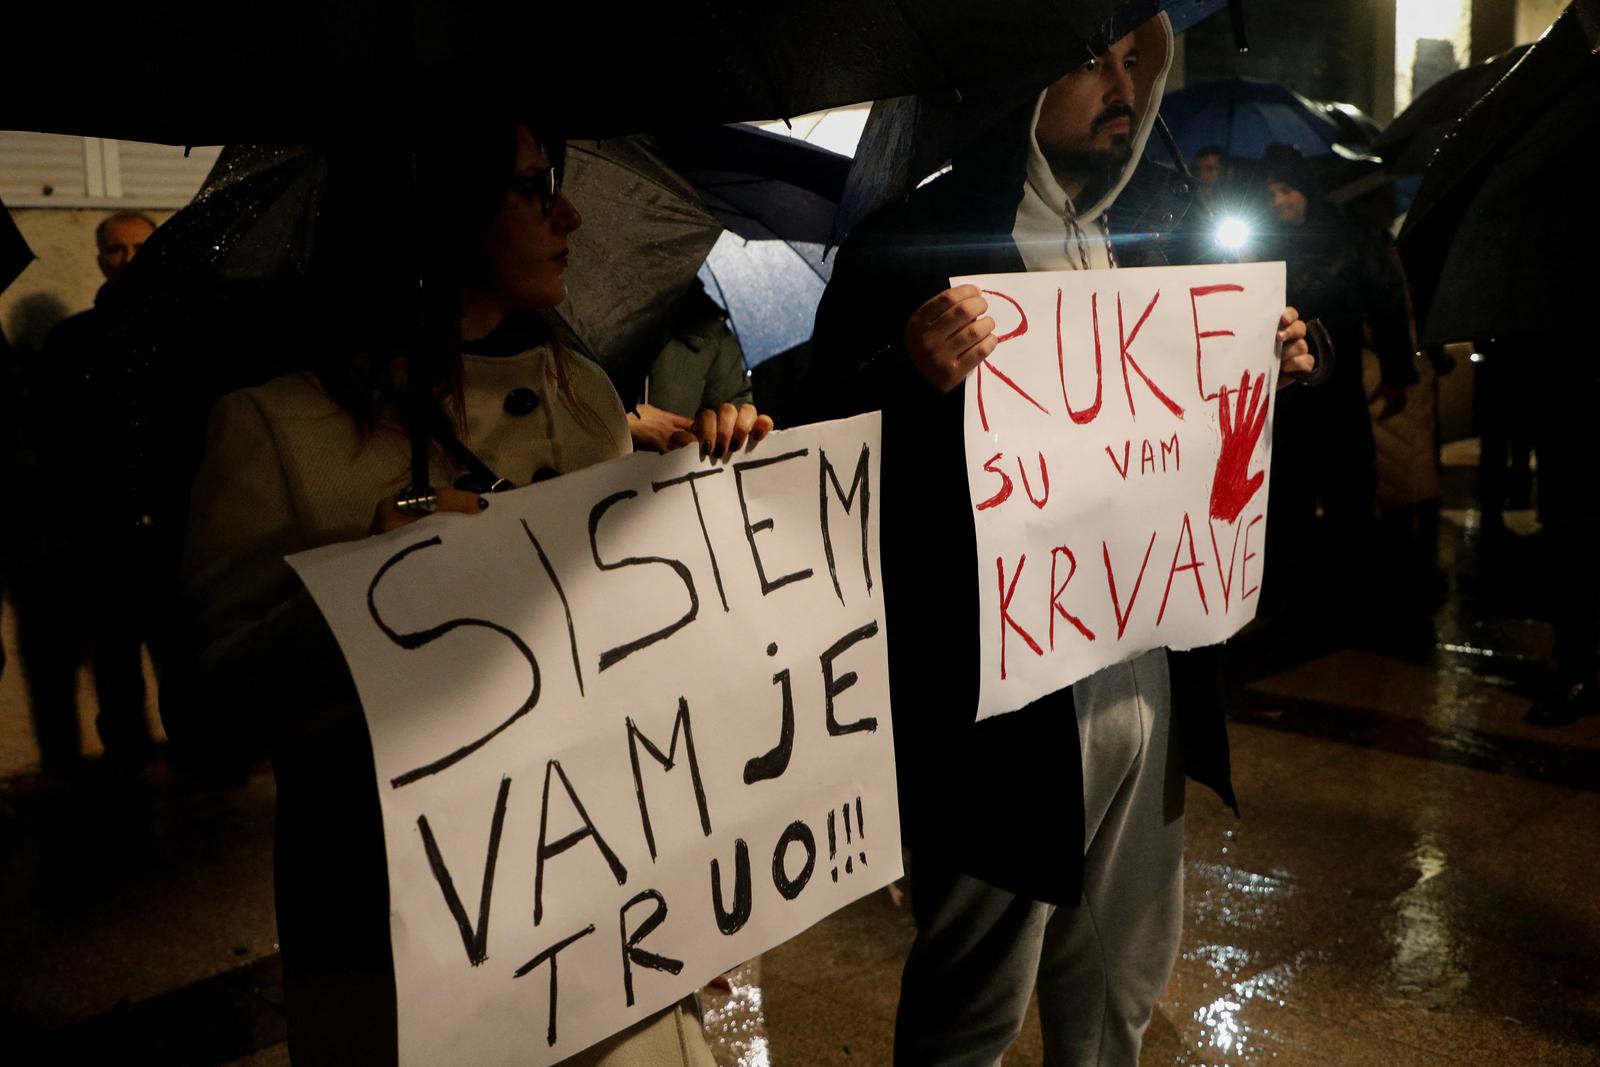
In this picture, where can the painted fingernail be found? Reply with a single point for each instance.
(483, 503)
(716, 453)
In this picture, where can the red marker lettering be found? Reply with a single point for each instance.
(1199, 335)
(1005, 610)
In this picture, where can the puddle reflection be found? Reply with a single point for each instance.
(1427, 951)
(1241, 904)
(736, 1022)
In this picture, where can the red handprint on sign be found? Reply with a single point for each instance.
(1234, 485)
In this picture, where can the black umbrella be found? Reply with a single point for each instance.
(655, 210)
(1409, 142)
(199, 72)
(910, 137)
(15, 255)
(202, 72)
(1499, 241)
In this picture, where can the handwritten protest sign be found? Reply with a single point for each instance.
(631, 728)
(1118, 443)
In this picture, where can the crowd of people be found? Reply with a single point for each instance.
(1083, 904)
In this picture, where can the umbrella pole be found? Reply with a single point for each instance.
(1236, 20)
(416, 381)
(1172, 148)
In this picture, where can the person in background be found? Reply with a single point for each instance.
(1323, 455)
(1209, 173)
(697, 385)
(90, 588)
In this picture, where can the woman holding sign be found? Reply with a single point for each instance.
(320, 457)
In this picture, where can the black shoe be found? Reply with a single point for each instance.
(1565, 707)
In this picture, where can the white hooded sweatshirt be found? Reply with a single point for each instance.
(1046, 232)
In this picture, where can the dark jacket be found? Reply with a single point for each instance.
(701, 365)
(1344, 272)
(1002, 799)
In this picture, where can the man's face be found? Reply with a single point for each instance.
(1208, 170)
(1288, 202)
(120, 240)
(1087, 120)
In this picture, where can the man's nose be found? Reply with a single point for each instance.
(1120, 89)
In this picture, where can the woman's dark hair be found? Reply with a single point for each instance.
(399, 232)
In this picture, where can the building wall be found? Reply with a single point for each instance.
(58, 188)
(1534, 17)
(1322, 50)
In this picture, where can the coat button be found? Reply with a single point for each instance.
(521, 401)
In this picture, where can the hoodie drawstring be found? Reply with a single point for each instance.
(1082, 239)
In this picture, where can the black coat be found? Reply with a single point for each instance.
(1001, 799)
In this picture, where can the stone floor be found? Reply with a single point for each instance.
(1412, 882)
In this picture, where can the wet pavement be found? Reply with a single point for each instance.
(1413, 880)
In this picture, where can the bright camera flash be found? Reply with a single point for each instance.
(1233, 233)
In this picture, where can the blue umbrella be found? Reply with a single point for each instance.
(1244, 116)
(770, 290)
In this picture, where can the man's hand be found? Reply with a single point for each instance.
(950, 335)
(1391, 399)
(654, 429)
(1295, 356)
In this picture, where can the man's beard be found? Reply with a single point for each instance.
(1096, 169)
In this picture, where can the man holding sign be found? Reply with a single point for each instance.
(1041, 776)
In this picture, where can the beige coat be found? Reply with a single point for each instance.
(286, 469)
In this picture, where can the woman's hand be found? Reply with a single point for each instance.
(388, 515)
(724, 430)
(1295, 356)
(655, 429)
(950, 335)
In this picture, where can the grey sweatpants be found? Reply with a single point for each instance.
(1099, 967)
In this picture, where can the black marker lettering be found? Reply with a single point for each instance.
(555, 848)
(422, 638)
(680, 725)
(572, 632)
(731, 922)
(787, 887)
(832, 687)
(475, 941)
(550, 954)
(859, 481)
(750, 530)
(774, 762)
(632, 953)
(612, 656)
(690, 479)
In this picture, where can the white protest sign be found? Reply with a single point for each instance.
(631, 728)
(1118, 443)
